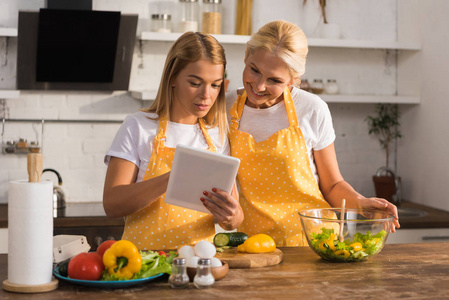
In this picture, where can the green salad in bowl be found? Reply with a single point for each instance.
(361, 234)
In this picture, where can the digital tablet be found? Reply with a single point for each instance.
(194, 171)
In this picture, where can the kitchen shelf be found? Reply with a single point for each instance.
(9, 94)
(313, 42)
(151, 95)
(370, 99)
(144, 95)
(8, 31)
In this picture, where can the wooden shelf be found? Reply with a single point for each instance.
(8, 32)
(370, 99)
(313, 42)
(9, 94)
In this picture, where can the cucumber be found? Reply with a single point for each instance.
(231, 239)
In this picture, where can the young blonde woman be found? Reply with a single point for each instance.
(285, 140)
(189, 109)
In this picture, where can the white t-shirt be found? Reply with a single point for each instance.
(315, 121)
(134, 139)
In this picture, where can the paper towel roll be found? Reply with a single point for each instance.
(30, 232)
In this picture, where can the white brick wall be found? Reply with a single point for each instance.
(76, 150)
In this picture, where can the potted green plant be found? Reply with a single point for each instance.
(385, 126)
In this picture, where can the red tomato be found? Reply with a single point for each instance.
(104, 246)
(86, 266)
(162, 253)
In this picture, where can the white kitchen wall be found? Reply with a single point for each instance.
(76, 150)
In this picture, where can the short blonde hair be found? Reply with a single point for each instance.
(192, 47)
(286, 41)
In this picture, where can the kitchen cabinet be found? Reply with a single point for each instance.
(3, 240)
(419, 236)
(409, 48)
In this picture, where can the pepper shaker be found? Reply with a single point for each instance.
(178, 277)
(204, 278)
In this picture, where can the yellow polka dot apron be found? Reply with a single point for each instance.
(275, 178)
(161, 225)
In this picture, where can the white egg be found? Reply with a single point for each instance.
(192, 262)
(215, 262)
(205, 249)
(186, 252)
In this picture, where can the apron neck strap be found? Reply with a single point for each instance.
(237, 109)
(159, 139)
(206, 134)
(290, 108)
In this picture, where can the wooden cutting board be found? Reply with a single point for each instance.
(240, 260)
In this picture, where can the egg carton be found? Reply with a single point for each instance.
(67, 246)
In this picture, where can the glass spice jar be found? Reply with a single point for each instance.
(189, 16)
(317, 86)
(204, 278)
(331, 87)
(305, 85)
(178, 277)
(161, 23)
(211, 16)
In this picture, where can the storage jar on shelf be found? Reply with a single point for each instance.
(317, 86)
(331, 87)
(189, 16)
(161, 23)
(211, 16)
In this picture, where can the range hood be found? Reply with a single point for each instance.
(70, 49)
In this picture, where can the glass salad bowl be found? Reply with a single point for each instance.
(360, 234)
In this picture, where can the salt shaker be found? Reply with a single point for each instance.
(204, 278)
(178, 277)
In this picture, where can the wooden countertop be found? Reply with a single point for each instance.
(416, 271)
(435, 218)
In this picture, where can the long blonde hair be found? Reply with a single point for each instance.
(285, 40)
(192, 47)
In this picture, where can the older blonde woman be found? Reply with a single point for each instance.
(284, 138)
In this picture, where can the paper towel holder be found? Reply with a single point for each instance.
(29, 289)
(34, 166)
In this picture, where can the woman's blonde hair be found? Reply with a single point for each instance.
(285, 40)
(191, 47)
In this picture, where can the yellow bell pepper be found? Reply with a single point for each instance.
(321, 245)
(259, 243)
(356, 246)
(345, 253)
(331, 242)
(123, 259)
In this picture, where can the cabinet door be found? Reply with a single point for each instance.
(419, 236)
(3, 240)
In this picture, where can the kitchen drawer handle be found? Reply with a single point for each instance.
(443, 237)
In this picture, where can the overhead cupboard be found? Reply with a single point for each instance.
(405, 51)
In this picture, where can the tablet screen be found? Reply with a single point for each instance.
(195, 171)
